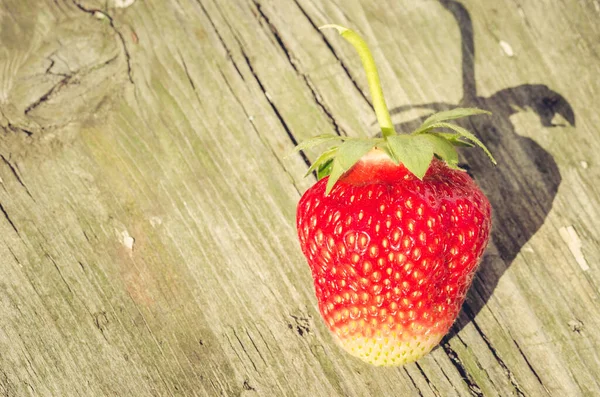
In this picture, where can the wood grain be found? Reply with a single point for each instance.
(147, 206)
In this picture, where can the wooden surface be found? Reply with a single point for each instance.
(147, 225)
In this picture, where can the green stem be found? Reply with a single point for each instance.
(381, 110)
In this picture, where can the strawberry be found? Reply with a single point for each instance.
(393, 231)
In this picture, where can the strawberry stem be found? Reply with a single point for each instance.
(436, 137)
(381, 110)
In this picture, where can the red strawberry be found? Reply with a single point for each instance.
(393, 235)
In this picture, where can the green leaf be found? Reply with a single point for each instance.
(453, 114)
(466, 134)
(315, 141)
(347, 155)
(386, 149)
(335, 174)
(453, 138)
(414, 151)
(325, 157)
(352, 150)
(444, 149)
(324, 169)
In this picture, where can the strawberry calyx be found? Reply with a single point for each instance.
(437, 137)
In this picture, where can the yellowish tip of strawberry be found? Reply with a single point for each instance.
(389, 351)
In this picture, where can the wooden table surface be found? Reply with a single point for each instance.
(147, 225)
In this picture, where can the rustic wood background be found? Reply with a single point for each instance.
(147, 236)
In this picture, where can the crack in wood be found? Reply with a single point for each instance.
(189, 77)
(247, 385)
(293, 63)
(100, 321)
(530, 366)
(332, 49)
(466, 376)
(111, 22)
(18, 263)
(274, 107)
(265, 341)
(14, 171)
(477, 362)
(227, 49)
(245, 351)
(255, 347)
(443, 370)
(262, 88)
(234, 349)
(509, 374)
(65, 81)
(49, 68)
(9, 220)
(470, 314)
(429, 382)
(239, 101)
(55, 88)
(58, 270)
(13, 127)
(18, 129)
(187, 73)
(413, 383)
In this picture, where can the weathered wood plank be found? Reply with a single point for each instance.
(147, 207)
